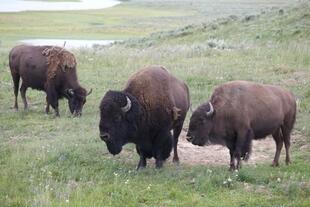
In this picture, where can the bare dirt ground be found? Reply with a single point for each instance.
(262, 151)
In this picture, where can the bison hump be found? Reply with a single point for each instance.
(152, 88)
(58, 59)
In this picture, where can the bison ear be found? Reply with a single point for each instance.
(69, 92)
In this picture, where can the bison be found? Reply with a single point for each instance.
(240, 111)
(50, 69)
(152, 104)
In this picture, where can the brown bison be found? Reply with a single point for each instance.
(152, 104)
(241, 111)
(50, 69)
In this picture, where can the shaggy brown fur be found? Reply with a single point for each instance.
(58, 59)
(157, 96)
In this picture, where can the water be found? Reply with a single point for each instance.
(20, 5)
(69, 43)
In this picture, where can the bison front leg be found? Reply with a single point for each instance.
(162, 147)
(47, 109)
(142, 161)
(52, 98)
(232, 160)
(243, 145)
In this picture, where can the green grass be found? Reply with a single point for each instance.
(62, 162)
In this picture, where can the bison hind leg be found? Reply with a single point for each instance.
(16, 78)
(278, 138)
(287, 142)
(243, 145)
(23, 90)
(176, 133)
(247, 149)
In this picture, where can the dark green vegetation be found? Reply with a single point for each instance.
(62, 162)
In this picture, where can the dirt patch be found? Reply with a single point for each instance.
(262, 151)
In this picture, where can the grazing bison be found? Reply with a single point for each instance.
(241, 111)
(152, 103)
(50, 69)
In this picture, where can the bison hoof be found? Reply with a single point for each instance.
(159, 164)
(140, 167)
(14, 108)
(141, 164)
(176, 160)
(288, 162)
(275, 164)
(232, 168)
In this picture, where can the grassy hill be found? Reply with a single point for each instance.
(47, 161)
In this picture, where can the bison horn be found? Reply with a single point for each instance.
(70, 91)
(89, 92)
(128, 105)
(211, 111)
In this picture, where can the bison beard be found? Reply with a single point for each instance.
(152, 104)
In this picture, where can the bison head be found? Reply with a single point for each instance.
(200, 125)
(117, 120)
(77, 99)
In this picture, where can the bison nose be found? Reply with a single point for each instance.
(105, 136)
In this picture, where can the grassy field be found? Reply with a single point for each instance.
(47, 161)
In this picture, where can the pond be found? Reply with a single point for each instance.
(69, 43)
(20, 5)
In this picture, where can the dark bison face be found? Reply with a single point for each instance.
(76, 100)
(201, 125)
(113, 123)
